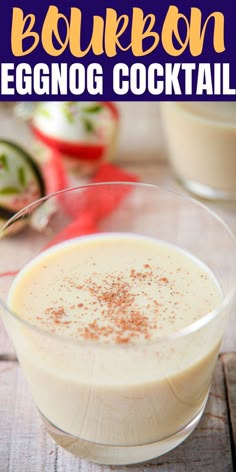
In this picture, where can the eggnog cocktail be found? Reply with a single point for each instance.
(109, 364)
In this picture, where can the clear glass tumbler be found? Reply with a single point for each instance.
(93, 400)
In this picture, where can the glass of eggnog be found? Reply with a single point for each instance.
(117, 309)
(201, 143)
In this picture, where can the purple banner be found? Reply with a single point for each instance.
(113, 50)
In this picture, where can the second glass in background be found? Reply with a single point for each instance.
(201, 142)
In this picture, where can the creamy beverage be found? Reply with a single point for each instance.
(107, 362)
(201, 139)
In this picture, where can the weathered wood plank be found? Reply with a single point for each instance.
(25, 447)
(229, 364)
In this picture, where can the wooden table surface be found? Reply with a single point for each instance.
(24, 444)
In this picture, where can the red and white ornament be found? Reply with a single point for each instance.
(84, 133)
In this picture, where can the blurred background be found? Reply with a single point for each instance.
(140, 134)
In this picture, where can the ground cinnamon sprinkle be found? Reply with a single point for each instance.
(121, 305)
(121, 321)
(113, 302)
(57, 314)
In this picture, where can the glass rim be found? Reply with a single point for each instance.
(183, 332)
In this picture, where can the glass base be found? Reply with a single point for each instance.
(119, 455)
(205, 192)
